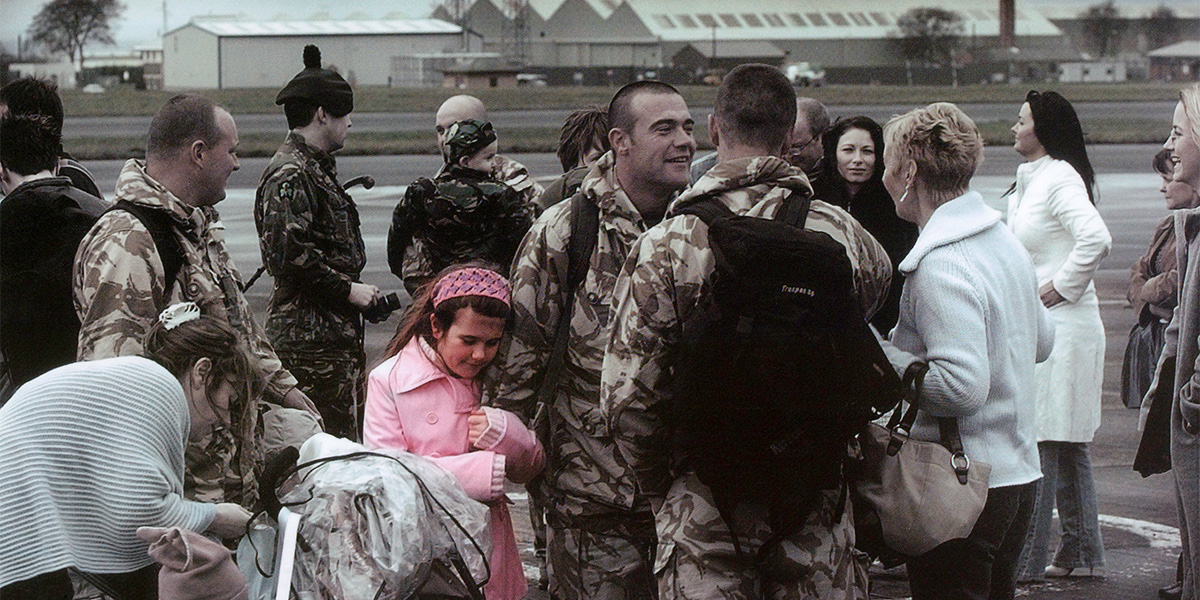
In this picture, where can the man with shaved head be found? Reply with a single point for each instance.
(601, 541)
(409, 262)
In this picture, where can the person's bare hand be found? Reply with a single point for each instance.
(230, 521)
(477, 423)
(363, 295)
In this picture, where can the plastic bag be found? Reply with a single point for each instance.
(376, 525)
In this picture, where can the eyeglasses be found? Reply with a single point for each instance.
(796, 150)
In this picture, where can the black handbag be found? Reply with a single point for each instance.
(1141, 357)
(1154, 449)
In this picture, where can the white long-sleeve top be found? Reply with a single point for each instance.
(1051, 215)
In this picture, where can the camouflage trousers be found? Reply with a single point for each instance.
(335, 385)
(698, 560)
(586, 565)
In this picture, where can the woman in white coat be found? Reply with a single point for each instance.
(1051, 210)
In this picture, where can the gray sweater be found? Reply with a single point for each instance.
(90, 452)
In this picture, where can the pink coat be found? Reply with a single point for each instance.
(413, 405)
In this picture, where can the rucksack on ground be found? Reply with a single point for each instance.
(780, 370)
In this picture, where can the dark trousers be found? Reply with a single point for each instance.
(983, 565)
(56, 585)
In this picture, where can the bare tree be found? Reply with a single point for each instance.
(1102, 28)
(1162, 27)
(67, 25)
(930, 35)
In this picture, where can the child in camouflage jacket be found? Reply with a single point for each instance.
(463, 214)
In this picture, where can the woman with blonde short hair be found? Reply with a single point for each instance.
(970, 311)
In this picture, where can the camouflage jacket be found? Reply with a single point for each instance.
(588, 476)
(461, 215)
(665, 279)
(119, 283)
(311, 243)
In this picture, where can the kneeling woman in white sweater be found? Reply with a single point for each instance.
(970, 310)
(93, 450)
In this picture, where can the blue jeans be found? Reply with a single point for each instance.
(1067, 482)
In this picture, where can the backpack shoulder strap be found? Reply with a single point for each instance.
(708, 207)
(794, 210)
(163, 232)
(585, 231)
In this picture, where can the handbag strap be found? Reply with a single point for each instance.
(901, 424)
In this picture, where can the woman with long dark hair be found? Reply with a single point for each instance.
(1051, 209)
(852, 179)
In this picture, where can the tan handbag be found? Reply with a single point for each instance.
(916, 494)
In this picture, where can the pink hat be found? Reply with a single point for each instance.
(471, 281)
(193, 566)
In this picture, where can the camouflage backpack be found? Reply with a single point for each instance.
(780, 370)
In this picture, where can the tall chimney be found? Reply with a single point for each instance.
(1008, 23)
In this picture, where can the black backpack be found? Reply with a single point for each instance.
(779, 372)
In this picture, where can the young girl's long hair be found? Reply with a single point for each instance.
(416, 321)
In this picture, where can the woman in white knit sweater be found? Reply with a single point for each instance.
(1052, 211)
(93, 450)
(970, 310)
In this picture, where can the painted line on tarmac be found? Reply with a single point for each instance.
(1159, 536)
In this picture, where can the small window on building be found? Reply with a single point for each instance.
(816, 19)
(686, 20)
(730, 20)
(493, 81)
(797, 20)
(752, 20)
(839, 19)
(664, 21)
(859, 19)
(881, 19)
(773, 20)
(707, 20)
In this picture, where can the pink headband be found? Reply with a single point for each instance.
(471, 281)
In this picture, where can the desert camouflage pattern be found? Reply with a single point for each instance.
(666, 277)
(119, 285)
(516, 176)
(588, 481)
(590, 565)
(699, 561)
(311, 243)
(461, 215)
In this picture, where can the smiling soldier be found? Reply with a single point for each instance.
(601, 541)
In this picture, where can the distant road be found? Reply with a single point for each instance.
(418, 121)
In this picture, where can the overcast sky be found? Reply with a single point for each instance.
(142, 20)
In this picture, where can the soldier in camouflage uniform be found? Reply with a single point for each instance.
(120, 286)
(462, 215)
(311, 244)
(665, 279)
(412, 262)
(601, 539)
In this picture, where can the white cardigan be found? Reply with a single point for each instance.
(1052, 217)
(970, 309)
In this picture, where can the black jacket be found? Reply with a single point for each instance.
(41, 224)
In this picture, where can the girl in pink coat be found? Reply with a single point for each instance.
(424, 399)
